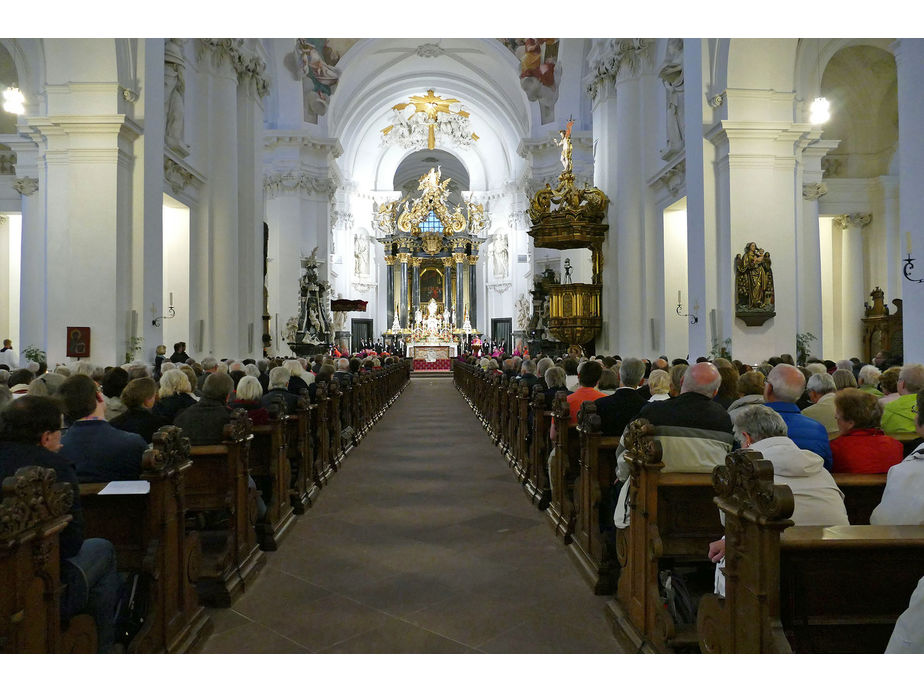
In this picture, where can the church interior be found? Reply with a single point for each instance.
(424, 203)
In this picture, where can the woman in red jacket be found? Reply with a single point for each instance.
(861, 447)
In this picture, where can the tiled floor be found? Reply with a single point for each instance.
(422, 543)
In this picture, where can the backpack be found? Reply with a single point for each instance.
(132, 607)
(677, 597)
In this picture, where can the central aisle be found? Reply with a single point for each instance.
(422, 543)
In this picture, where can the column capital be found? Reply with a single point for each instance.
(613, 59)
(416, 261)
(390, 260)
(812, 191)
(459, 258)
(447, 262)
(473, 260)
(856, 220)
(26, 185)
(404, 258)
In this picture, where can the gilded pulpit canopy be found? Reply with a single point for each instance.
(755, 299)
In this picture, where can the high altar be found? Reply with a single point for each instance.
(431, 255)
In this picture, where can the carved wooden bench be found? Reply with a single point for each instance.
(563, 470)
(33, 511)
(269, 467)
(217, 491)
(672, 520)
(536, 483)
(805, 589)
(862, 493)
(149, 534)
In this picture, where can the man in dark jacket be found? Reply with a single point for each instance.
(204, 422)
(138, 398)
(30, 434)
(783, 387)
(619, 408)
(278, 389)
(99, 451)
(179, 353)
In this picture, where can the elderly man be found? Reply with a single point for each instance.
(618, 409)
(821, 390)
(528, 375)
(899, 416)
(343, 375)
(817, 499)
(782, 390)
(204, 422)
(278, 390)
(209, 365)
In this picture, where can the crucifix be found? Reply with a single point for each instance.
(431, 104)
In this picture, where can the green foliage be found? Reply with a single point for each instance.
(34, 354)
(721, 350)
(803, 346)
(134, 344)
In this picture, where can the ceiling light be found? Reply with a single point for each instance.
(819, 112)
(13, 100)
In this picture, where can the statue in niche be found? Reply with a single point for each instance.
(174, 92)
(755, 297)
(500, 255)
(671, 75)
(361, 256)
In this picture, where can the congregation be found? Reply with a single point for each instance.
(92, 424)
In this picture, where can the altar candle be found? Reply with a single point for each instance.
(678, 297)
(908, 241)
(171, 298)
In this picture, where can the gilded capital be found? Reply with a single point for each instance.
(447, 262)
(404, 258)
(459, 258)
(473, 260)
(415, 261)
(390, 260)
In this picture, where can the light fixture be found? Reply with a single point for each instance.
(13, 100)
(819, 112)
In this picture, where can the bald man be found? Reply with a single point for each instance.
(695, 432)
(782, 389)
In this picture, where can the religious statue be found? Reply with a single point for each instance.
(566, 147)
(671, 75)
(418, 316)
(361, 256)
(501, 255)
(755, 299)
(174, 92)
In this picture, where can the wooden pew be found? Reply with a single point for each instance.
(562, 471)
(299, 446)
(324, 463)
(33, 511)
(802, 589)
(218, 496)
(149, 534)
(537, 481)
(269, 467)
(520, 459)
(672, 522)
(596, 561)
(862, 493)
(334, 400)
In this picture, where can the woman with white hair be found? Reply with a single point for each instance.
(174, 394)
(659, 382)
(297, 383)
(249, 397)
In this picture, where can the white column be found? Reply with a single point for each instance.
(909, 60)
(808, 245)
(892, 247)
(855, 290)
(222, 192)
(30, 183)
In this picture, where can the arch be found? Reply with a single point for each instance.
(29, 59)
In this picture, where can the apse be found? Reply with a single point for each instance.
(418, 163)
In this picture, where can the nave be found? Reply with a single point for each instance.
(422, 543)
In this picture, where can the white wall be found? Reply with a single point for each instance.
(675, 328)
(10, 245)
(176, 274)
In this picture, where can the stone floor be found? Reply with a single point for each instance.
(422, 543)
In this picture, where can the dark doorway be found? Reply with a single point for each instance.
(502, 331)
(361, 329)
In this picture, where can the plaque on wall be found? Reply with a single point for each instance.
(755, 300)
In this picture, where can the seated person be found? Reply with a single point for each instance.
(30, 434)
(821, 390)
(98, 450)
(608, 382)
(249, 397)
(139, 397)
(898, 416)
(782, 390)
(862, 447)
(204, 422)
(817, 499)
(868, 380)
(586, 390)
(908, 634)
(659, 384)
(555, 381)
(325, 375)
(174, 395)
(728, 390)
(113, 383)
(528, 375)
(279, 390)
(750, 390)
(618, 409)
(19, 382)
(297, 384)
(888, 385)
(903, 497)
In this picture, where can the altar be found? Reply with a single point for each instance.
(432, 356)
